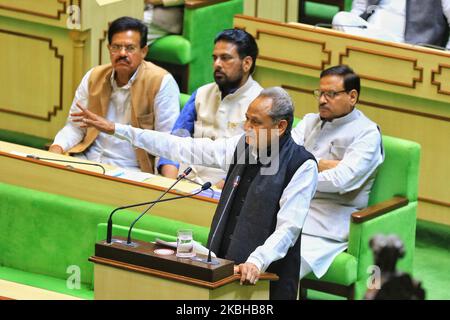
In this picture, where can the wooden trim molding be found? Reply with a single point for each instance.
(286, 10)
(379, 209)
(438, 83)
(193, 4)
(296, 38)
(100, 45)
(61, 77)
(385, 55)
(338, 34)
(433, 201)
(175, 277)
(102, 176)
(377, 105)
(56, 16)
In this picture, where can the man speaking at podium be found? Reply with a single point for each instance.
(267, 193)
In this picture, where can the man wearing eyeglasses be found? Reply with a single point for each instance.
(129, 90)
(348, 149)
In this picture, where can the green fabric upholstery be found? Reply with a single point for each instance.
(200, 27)
(23, 139)
(342, 271)
(171, 49)
(315, 11)
(320, 10)
(397, 176)
(194, 47)
(44, 234)
(183, 99)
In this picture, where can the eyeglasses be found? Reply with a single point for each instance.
(115, 48)
(328, 94)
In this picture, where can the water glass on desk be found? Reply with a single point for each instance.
(185, 244)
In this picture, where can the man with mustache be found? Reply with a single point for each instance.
(217, 110)
(270, 182)
(129, 90)
(347, 146)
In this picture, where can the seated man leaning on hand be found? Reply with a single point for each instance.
(129, 90)
(347, 146)
(270, 182)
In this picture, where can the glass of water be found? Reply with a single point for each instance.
(185, 245)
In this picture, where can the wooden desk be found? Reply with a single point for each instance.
(121, 281)
(85, 183)
(405, 89)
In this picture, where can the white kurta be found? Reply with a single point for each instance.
(386, 23)
(356, 142)
(107, 149)
(220, 118)
(294, 202)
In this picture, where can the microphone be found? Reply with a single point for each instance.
(110, 222)
(205, 186)
(330, 25)
(179, 178)
(208, 260)
(67, 161)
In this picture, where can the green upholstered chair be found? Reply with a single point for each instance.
(321, 11)
(392, 210)
(183, 99)
(188, 56)
(43, 234)
(24, 139)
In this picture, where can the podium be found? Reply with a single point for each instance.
(123, 272)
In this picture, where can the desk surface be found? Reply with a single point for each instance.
(86, 183)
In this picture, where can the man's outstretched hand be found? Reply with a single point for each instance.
(88, 119)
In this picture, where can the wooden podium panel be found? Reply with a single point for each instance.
(120, 281)
(144, 254)
(405, 89)
(86, 183)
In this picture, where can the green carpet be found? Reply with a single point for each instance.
(432, 259)
(431, 262)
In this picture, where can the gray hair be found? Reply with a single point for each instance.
(282, 105)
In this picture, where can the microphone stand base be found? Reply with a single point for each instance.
(125, 243)
(205, 260)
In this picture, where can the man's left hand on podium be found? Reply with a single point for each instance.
(248, 271)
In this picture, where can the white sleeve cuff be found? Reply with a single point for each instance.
(257, 263)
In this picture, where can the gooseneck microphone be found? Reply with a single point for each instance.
(199, 184)
(227, 203)
(179, 178)
(331, 25)
(31, 156)
(205, 186)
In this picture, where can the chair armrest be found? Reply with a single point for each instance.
(192, 4)
(379, 209)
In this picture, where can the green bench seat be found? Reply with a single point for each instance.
(43, 234)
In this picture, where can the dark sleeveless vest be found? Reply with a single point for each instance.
(251, 218)
(425, 22)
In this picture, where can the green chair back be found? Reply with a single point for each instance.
(399, 174)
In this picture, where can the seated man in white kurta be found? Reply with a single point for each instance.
(347, 146)
(217, 110)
